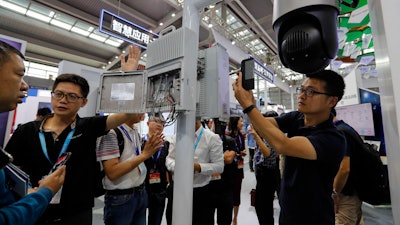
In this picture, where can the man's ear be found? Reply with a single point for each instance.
(333, 100)
(84, 102)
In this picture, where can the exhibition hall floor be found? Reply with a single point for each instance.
(247, 214)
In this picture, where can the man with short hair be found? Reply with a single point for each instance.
(126, 197)
(208, 160)
(13, 88)
(313, 147)
(65, 131)
(157, 178)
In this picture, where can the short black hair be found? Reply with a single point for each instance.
(6, 50)
(271, 113)
(334, 82)
(43, 112)
(73, 78)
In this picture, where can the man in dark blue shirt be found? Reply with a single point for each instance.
(313, 147)
(13, 89)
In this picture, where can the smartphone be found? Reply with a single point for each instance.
(247, 69)
(61, 161)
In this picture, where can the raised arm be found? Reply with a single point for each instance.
(297, 146)
(129, 64)
(132, 62)
(263, 147)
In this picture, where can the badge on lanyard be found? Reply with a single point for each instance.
(154, 177)
(216, 176)
(240, 164)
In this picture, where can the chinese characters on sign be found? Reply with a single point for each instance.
(130, 32)
(263, 72)
(125, 30)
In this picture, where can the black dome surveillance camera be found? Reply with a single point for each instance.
(306, 33)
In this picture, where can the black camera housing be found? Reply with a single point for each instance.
(307, 37)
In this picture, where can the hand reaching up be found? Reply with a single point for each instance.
(155, 141)
(133, 59)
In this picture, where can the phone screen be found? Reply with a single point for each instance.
(61, 161)
(247, 69)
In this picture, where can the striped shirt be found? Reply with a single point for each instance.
(107, 148)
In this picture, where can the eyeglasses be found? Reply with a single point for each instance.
(310, 92)
(71, 97)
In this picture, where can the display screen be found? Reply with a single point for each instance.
(358, 116)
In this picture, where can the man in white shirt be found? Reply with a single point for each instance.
(126, 197)
(208, 160)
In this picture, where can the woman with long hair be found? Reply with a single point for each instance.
(235, 127)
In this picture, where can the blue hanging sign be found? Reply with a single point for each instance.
(123, 29)
(264, 72)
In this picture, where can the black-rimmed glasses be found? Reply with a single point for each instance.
(310, 92)
(71, 97)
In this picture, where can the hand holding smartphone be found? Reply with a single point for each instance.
(61, 161)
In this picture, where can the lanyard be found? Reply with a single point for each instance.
(158, 155)
(130, 139)
(198, 139)
(240, 139)
(63, 149)
(240, 143)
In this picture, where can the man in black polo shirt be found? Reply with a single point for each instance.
(37, 145)
(313, 147)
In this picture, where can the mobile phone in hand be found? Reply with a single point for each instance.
(247, 69)
(61, 161)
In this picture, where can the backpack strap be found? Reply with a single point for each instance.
(350, 131)
(120, 139)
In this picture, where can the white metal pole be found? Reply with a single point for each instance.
(183, 176)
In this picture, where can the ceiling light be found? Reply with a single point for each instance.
(38, 16)
(113, 43)
(60, 24)
(80, 31)
(210, 25)
(211, 6)
(13, 7)
(233, 42)
(161, 23)
(97, 37)
(173, 15)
